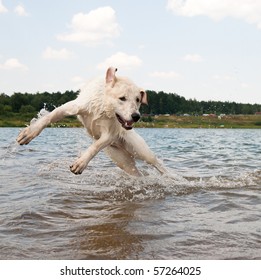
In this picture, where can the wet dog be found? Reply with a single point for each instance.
(107, 108)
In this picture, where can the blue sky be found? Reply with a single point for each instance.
(202, 49)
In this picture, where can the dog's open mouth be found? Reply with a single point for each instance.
(125, 124)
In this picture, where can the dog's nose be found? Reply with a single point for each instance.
(135, 116)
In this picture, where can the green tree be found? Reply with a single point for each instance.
(27, 109)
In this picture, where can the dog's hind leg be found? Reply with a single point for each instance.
(122, 159)
(139, 149)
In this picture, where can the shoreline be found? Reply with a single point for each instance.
(161, 121)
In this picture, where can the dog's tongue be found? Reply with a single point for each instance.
(125, 124)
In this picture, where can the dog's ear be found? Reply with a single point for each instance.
(110, 76)
(144, 99)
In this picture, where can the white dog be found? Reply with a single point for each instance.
(107, 108)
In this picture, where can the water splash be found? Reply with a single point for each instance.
(43, 112)
(10, 151)
(113, 184)
(159, 187)
(13, 148)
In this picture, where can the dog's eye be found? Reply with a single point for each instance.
(123, 98)
(137, 100)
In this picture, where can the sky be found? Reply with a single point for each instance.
(202, 49)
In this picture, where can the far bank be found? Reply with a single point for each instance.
(158, 121)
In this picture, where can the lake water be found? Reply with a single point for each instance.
(207, 207)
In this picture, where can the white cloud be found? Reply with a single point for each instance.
(248, 10)
(223, 77)
(77, 79)
(121, 60)
(78, 82)
(62, 54)
(229, 78)
(244, 85)
(20, 11)
(192, 58)
(141, 46)
(96, 27)
(165, 75)
(3, 9)
(216, 77)
(13, 63)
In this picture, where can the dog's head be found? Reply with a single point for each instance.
(124, 98)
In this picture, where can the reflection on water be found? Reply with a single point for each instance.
(111, 238)
(207, 207)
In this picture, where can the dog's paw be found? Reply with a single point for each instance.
(78, 166)
(27, 135)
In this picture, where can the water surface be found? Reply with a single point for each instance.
(207, 207)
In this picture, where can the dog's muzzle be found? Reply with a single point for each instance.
(128, 124)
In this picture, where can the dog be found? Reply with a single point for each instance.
(107, 108)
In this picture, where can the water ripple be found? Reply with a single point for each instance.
(207, 207)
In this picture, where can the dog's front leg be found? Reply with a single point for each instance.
(81, 163)
(30, 132)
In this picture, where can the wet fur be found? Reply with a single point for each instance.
(107, 108)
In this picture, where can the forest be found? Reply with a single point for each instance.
(159, 103)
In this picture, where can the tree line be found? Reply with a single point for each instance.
(159, 103)
(172, 103)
